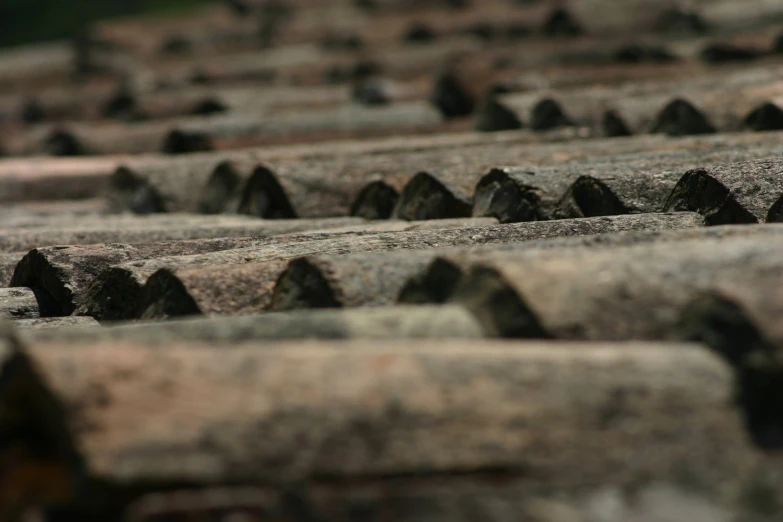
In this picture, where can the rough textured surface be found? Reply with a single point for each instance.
(223, 189)
(591, 112)
(747, 192)
(429, 500)
(116, 292)
(18, 303)
(628, 184)
(430, 195)
(335, 186)
(372, 279)
(57, 325)
(439, 280)
(65, 271)
(211, 283)
(322, 186)
(368, 412)
(623, 292)
(491, 116)
(187, 182)
(151, 229)
(347, 280)
(27, 214)
(315, 183)
(517, 194)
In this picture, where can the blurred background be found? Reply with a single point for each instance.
(26, 21)
(197, 75)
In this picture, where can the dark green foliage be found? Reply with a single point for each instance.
(27, 21)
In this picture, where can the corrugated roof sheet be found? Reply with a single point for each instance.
(394, 260)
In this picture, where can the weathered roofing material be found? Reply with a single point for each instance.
(114, 291)
(734, 327)
(365, 178)
(339, 186)
(231, 131)
(18, 303)
(38, 178)
(373, 279)
(623, 292)
(623, 184)
(189, 184)
(242, 280)
(363, 412)
(65, 271)
(215, 418)
(27, 214)
(31, 179)
(57, 325)
(686, 106)
(437, 283)
(159, 227)
(748, 335)
(392, 322)
(633, 182)
(209, 182)
(749, 192)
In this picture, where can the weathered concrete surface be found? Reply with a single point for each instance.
(384, 418)
(189, 182)
(373, 279)
(117, 291)
(242, 280)
(338, 186)
(749, 192)
(622, 292)
(437, 283)
(626, 184)
(18, 303)
(57, 325)
(313, 187)
(327, 181)
(226, 181)
(151, 229)
(65, 271)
